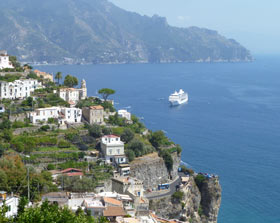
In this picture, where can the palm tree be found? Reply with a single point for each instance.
(58, 76)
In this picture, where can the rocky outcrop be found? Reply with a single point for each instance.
(152, 171)
(197, 205)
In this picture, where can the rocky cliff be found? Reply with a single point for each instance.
(152, 171)
(197, 205)
(200, 196)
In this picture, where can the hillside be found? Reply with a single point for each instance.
(96, 31)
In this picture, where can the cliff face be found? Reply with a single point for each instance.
(152, 171)
(196, 206)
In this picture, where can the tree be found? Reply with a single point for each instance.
(106, 92)
(127, 135)
(158, 139)
(137, 147)
(52, 213)
(95, 131)
(70, 81)
(58, 76)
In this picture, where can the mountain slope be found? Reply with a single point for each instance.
(96, 31)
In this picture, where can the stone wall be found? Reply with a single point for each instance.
(152, 171)
(17, 117)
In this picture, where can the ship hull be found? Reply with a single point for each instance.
(178, 102)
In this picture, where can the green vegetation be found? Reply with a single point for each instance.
(165, 154)
(159, 139)
(70, 81)
(58, 77)
(127, 135)
(187, 170)
(13, 177)
(46, 213)
(199, 180)
(178, 196)
(10, 77)
(106, 92)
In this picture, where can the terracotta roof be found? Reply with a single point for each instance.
(71, 170)
(112, 201)
(96, 107)
(74, 174)
(113, 212)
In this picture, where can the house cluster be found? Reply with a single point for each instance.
(126, 198)
(4, 60)
(18, 89)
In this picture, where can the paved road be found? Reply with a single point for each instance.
(168, 193)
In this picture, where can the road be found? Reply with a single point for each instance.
(172, 190)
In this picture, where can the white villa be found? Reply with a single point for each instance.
(73, 95)
(113, 149)
(11, 202)
(4, 60)
(18, 89)
(63, 114)
(124, 114)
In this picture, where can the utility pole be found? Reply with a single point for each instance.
(28, 186)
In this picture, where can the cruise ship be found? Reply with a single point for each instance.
(178, 98)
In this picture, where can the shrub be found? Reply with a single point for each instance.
(168, 160)
(178, 196)
(63, 144)
(130, 155)
(18, 124)
(51, 166)
(127, 135)
(52, 121)
(199, 180)
(95, 130)
(45, 128)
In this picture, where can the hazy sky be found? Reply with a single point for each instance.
(253, 23)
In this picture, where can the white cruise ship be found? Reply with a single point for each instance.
(178, 98)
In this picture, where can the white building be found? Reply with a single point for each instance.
(4, 60)
(112, 147)
(64, 115)
(71, 115)
(124, 114)
(18, 89)
(73, 95)
(11, 202)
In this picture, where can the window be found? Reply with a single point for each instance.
(110, 152)
(118, 151)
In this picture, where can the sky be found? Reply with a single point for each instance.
(253, 23)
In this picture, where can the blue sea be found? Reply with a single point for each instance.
(229, 127)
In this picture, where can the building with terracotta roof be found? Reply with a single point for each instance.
(113, 212)
(94, 114)
(73, 95)
(112, 202)
(72, 172)
(44, 75)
